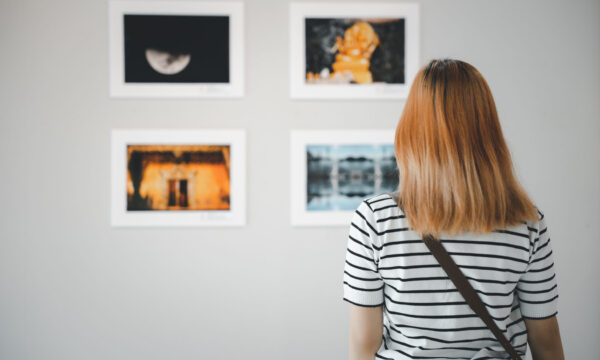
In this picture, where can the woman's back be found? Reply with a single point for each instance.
(424, 316)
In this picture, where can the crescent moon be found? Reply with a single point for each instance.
(166, 63)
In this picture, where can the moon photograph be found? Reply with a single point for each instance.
(176, 49)
(167, 63)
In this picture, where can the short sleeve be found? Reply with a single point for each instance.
(537, 288)
(362, 283)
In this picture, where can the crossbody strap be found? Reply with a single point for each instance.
(467, 291)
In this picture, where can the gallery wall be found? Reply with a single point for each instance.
(73, 287)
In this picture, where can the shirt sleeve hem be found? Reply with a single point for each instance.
(539, 310)
(539, 317)
(363, 305)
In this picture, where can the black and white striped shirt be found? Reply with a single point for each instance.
(424, 316)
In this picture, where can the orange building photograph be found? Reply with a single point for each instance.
(178, 177)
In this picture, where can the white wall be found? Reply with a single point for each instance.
(72, 287)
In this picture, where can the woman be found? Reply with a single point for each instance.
(456, 183)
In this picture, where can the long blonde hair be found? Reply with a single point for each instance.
(456, 173)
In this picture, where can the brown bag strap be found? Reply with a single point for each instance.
(467, 291)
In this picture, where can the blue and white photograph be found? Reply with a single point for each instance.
(332, 171)
(339, 177)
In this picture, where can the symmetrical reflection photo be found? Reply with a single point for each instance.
(178, 177)
(340, 176)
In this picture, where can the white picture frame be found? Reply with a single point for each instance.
(299, 140)
(299, 12)
(119, 88)
(234, 216)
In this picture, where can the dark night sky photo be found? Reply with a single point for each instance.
(387, 62)
(201, 42)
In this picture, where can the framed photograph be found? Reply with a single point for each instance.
(353, 50)
(169, 49)
(178, 177)
(332, 171)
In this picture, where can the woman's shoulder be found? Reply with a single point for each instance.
(381, 211)
(534, 226)
(382, 203)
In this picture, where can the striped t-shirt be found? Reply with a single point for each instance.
(424, 315)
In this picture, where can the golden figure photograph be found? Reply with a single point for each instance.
(357, 51)
(350, 50)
